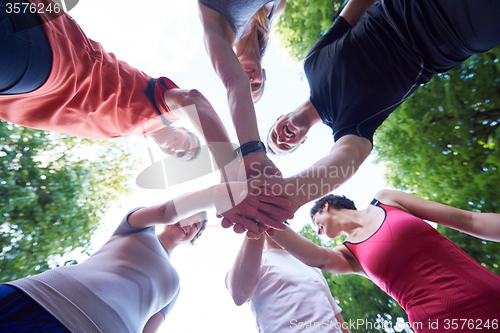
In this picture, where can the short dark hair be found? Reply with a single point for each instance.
(203, 226)
(335, 201)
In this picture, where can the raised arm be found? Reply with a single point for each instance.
(219, 45)
(243, 278)
(345, 157)
(482, 225)
(219, 38)
(154, 323)
(225, 199)
(330, 260)
(347, 154)
(191, 104)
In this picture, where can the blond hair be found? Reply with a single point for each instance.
(263, 24)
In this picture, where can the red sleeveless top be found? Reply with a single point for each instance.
(441, 288)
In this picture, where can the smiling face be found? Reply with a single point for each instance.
(177, 141)
(285, 136)
(188, 229)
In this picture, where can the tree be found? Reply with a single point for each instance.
(303, 22)
(363, 303)
(51, 199)
(442, 144)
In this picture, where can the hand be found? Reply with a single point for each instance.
(254, 209)
(252, 165)
(257, 164)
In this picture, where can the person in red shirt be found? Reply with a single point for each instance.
(52, 77)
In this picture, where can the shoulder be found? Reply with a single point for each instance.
(214, 23)
(125, 227)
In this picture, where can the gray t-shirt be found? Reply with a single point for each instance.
(238, 13)
(117, 289)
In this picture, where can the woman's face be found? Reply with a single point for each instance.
(185, 230)
(326, 224)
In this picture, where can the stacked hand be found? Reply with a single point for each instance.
(250, 205)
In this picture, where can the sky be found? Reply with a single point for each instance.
(164, 38)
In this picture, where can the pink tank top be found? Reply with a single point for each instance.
(441, 288)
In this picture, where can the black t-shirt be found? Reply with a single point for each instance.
(359, 75)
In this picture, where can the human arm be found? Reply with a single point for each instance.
(243, 278)
(345, 157)
(219, 40)
(355, 10)
(342, 324)
(331, 260)
(191, 104)
(225, 198)
(482, 225)
(154, 323)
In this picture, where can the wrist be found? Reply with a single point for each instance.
(254, 146)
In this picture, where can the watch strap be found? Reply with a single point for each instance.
(249, 147)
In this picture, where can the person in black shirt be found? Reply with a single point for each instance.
(375, 56)
(359, 72)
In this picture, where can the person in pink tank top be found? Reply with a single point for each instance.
(441, 288)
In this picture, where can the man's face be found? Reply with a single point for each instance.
(176, 141)
(284, 137)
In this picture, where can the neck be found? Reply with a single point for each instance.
(355, 220)
(306, 114)
(248, 44)
(169, 244)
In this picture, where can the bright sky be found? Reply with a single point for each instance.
(164, 38)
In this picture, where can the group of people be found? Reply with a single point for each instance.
(375, 55)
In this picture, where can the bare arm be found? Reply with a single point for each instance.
(347, 154)
(482, 225)
(225, 198)
(191, 104)
(355, 10)
(174, 210)
(154, 323)
(342, 324)
(345, 157)
(219, 47)
(243, 278)
(330, 260)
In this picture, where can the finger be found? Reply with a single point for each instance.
(245, 223)
(270, 222)
(253, 235)
(271, 232)
(278, 213)
(239, 229)
(275, 200)
(225, 223)
(260, 233)
(219, 216)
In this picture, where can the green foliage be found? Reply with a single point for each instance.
(443, 144)
(51, 200)
(303, 22)
(359, 298)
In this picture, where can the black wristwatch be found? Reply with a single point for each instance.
(249, 147)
